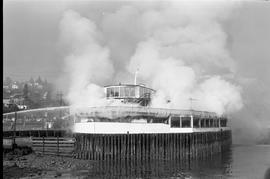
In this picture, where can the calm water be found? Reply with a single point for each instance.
(241, 162)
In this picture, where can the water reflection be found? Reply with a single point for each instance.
(217, 166)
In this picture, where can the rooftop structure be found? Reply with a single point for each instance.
(130, 93)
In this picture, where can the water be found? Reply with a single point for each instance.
(241, 162)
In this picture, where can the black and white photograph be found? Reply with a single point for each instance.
(162, 89)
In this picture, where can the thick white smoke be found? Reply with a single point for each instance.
(179, 48)
(186, 42)
(88, 61)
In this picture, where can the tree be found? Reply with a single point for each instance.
(25, 91)
(39, 80)
(32, 81)
(8, 81)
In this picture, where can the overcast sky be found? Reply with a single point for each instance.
(32, 47)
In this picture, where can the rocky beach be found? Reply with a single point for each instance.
(31, 165)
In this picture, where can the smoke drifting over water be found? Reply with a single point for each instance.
(179, 48)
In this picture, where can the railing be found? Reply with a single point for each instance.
(118, 111)
(38, 119)
(53, 145)
(64, 117)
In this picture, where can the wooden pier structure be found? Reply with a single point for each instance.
(114, 133)
(167, 146)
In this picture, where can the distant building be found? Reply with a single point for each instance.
(21, 107)
(6, 102)
(14, 86)
(17, 99)
(6, 87)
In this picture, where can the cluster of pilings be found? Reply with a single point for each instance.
(166, 146)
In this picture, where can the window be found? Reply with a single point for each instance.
(141, 92)
(223, 122)
(202, 123)
(186, 121)
(126, 91)
(122, 92)
(132, 92)
(196, 122)
(175, 122)
(216, 122)
(207, 123)
(116, 91)
(211, 123)
(108, 92)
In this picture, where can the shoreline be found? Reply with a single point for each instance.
(43, 166)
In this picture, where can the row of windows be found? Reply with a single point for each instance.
(124, 91)
(183, 122)
(120, 92)
(144, 91)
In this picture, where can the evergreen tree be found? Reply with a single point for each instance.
(32, 81)
(8, 81)
(25, 91)
(39, 80)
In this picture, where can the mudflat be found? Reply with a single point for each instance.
(16, 165)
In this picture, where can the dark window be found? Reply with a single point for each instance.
(116, 91)
(211, 123)
(202, 123)
(196, 123)
(186, 121)
(141, 91)
(207, 122)
(223, 122)
(175, 122)
(216, 122)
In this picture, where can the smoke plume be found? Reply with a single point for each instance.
(180, 49)
(88, 62)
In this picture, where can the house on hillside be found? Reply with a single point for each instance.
(17, 99)
(6, 102)
(14, 86)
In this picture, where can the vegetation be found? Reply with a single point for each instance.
(31, 94)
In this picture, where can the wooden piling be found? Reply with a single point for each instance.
(178, 146)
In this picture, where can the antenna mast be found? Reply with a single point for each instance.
(191, 99)
(135, 78)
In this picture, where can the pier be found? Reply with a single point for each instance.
(172, 146)
(205, 134)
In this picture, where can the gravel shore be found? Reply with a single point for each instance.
(39, 166)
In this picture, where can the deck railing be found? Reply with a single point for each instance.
(64, 117)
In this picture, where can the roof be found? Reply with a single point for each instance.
(17, 95)
(128, 85)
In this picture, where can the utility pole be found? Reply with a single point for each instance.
(14, 130)
(60, 97)
(135, 78)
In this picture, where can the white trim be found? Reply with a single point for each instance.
(135, 128)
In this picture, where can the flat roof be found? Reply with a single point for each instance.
(129, 85)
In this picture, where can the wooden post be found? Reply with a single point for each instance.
(139, 146)
(94, 146)
(135, 148)
(14, 130)
(57, 145)
(43, 147)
